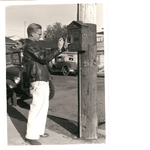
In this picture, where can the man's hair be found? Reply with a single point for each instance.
(33, 28)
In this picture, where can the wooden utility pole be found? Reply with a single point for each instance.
(88, 75)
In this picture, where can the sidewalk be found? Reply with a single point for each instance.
(14, 137)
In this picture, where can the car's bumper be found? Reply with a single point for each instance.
(73, 71)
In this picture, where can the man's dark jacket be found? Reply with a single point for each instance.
(36, 60)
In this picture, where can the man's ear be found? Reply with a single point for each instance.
(31, 34)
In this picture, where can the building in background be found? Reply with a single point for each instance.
(14, 37)
(100, 48)
(9, 43)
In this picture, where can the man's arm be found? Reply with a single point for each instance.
(33, 53)
(54, 53)
(62, 46)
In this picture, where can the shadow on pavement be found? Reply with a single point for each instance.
(23, 104)
(19, 121)
(69, 125)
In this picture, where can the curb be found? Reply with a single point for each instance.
(14, 137)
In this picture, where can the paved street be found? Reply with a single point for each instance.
(62, 114)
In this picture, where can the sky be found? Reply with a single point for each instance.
(18, 17)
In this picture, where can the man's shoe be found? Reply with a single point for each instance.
(44, 135)
(33, 142)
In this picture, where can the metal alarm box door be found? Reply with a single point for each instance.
(77, 36)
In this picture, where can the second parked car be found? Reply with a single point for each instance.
(65, 64)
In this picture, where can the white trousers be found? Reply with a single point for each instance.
(38, 110)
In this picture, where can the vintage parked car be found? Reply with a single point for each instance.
(65, 64)
(17, 82)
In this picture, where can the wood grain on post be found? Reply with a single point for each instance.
(89, 121)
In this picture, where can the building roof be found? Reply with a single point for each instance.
(9, 41)
(101, 32)
(14, 37)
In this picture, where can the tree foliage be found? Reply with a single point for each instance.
(54, 32)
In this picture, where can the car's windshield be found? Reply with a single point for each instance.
(12, 59)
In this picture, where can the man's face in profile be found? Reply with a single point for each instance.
(37, 35)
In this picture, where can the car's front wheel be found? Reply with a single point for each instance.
(65, 71)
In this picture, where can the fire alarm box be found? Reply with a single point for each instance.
(77, 36)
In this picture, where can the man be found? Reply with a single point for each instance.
(37, 71)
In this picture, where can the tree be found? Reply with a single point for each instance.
(54, 32)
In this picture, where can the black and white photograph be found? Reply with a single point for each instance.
(75, 75)
(55, 74)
